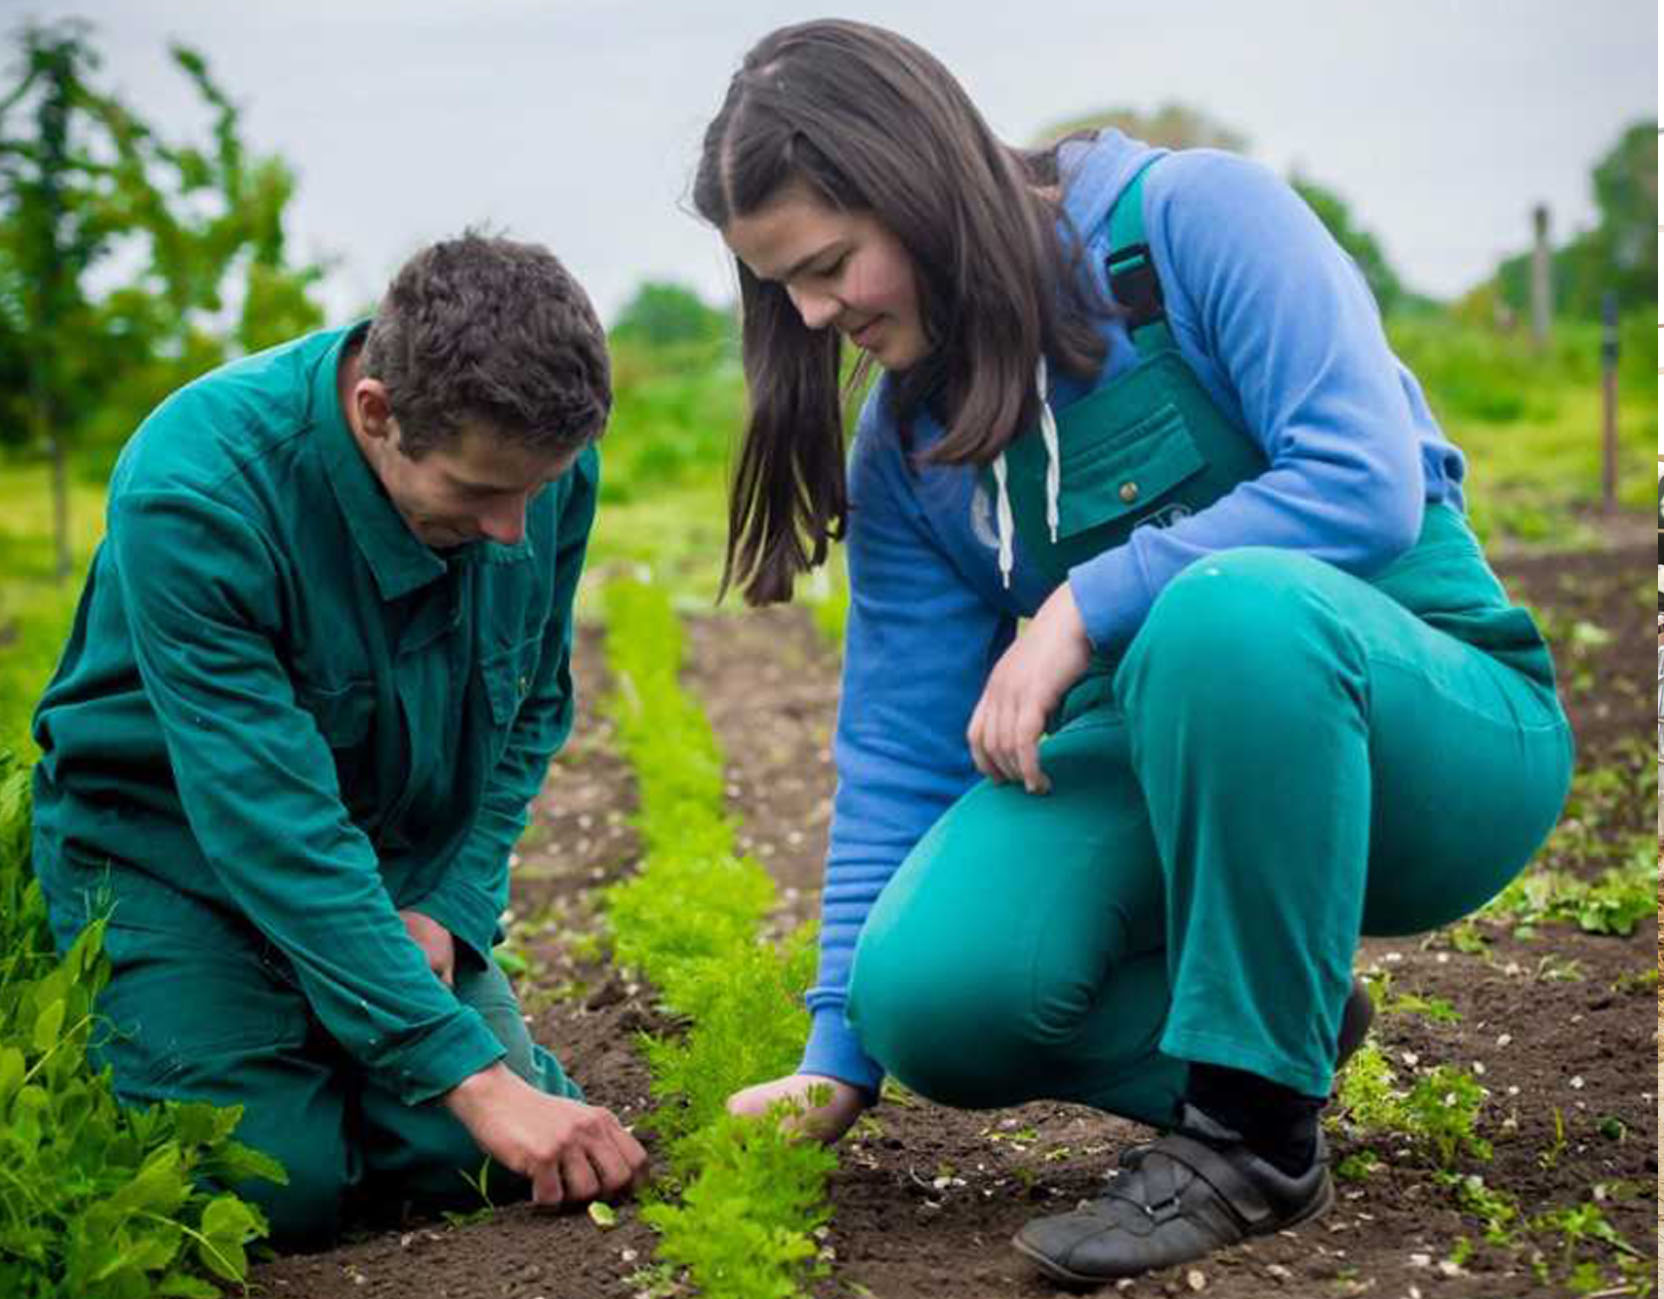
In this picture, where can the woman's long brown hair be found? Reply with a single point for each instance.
(867, 121)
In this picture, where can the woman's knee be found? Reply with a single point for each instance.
(1241, 624)
(947, 1031)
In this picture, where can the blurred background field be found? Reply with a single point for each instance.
(134, 256)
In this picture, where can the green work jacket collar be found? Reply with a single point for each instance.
(398, 559)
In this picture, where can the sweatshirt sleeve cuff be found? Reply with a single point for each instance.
(1110, 593)
(834, 1052)
(438, 1060)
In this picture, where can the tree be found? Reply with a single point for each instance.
(1172, 126)
(86, 186)
(663, 315)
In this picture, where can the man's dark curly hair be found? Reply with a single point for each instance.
(485, 330)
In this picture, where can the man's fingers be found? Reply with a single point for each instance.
(579, 1177)
(609, 1163)
(548, 1188)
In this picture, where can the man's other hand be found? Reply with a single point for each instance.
(436, 944)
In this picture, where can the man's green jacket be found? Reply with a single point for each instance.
(280, 709)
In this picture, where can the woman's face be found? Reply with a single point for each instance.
(840, 269)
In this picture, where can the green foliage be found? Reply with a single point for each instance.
(677, 410)
(752, 1196)
(668, 315)
(1439, 1112)
(87, 189)
(746, 1225)
(97, 1200)
(1614, 903)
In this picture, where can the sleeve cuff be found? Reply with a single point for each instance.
(1110, 594)
(834, 1052)
(440, 1059)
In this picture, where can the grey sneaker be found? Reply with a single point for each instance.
(1196, 1190)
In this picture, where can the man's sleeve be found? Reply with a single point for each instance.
(258, 784)
(473, 891)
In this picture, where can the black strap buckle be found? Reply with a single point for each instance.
(1136, 287)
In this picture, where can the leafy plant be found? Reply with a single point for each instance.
(98, 1200)
(1439, 1111)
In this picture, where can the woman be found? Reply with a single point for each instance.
(1143, 400)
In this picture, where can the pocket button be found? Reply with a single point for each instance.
(1129, 492)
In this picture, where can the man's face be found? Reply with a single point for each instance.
(477, 486)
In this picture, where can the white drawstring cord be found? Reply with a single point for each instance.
(1003, 524)
(1054, 458)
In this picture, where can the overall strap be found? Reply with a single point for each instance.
(1132, 271)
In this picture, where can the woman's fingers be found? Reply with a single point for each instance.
(977, 735)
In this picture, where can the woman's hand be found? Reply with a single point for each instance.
(1026, 684)
(825, 1122)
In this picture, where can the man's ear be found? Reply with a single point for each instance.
(375, 411)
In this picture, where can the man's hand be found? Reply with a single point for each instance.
(571, 1152)
(436, 944)
(825, 1122)
(1027, 683)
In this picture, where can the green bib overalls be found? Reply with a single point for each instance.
(1285, 757)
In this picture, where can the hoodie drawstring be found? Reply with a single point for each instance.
(1054, 458)
(1004, 525)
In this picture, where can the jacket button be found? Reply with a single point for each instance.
(1129, 492)
(524, 685)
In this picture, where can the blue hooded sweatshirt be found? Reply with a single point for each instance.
(1281, 329)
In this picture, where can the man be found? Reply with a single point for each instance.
(318, 672)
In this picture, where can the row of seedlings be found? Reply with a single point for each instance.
(744, 1203)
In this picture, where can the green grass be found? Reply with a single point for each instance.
(36, 610)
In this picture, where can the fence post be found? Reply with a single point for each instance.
(1542, 277)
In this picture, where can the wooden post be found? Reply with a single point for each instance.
(1609, 400)
(1542, 278)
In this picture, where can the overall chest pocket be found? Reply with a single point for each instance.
(1113, 474)
(1147, 447)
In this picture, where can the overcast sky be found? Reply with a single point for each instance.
(577, 122)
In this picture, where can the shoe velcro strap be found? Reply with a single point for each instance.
(1235, 1188)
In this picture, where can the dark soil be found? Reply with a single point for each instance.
(926, 1198)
